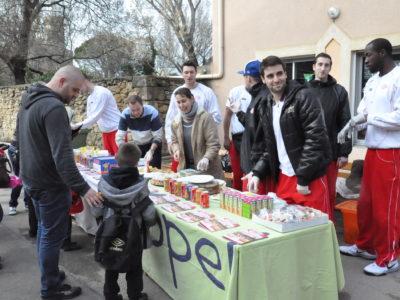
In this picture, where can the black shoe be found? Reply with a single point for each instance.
(142, 296)
(65, 292)
(71, 246)
(62, 276)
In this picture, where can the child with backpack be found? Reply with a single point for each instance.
(122, 235)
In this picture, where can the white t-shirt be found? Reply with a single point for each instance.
(205, 98)
(101, 108)
(238, 94)
(284, 162)
(381, 102)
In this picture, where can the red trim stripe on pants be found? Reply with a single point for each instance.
(378, 209)
(318, 199)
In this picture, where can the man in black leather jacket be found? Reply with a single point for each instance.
(335, 103)
(296, 144)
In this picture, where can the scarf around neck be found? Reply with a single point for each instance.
(190, 115)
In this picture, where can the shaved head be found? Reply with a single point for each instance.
(67, 82)
(69, 72)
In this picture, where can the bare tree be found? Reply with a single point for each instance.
(23, 21)
(182, 30)
(109, 55)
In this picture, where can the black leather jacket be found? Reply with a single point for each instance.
(335, 103)
(304, 135)
(249, 152)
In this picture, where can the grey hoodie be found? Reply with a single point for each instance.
(44, 137)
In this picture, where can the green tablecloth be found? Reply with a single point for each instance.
(189, 262)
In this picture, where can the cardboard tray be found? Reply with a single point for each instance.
(287, 227)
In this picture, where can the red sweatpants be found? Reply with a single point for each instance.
(109, 142)
(174, 165)
(264, 187)
(237, 171)
(378, 209)
(331, 177)
(318, 199)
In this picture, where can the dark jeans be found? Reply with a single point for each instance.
(69, 231)
(52, 211)
(134, 282)
(156, 161)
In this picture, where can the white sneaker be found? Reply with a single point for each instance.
(374, 269)
(12, 211)
(354, 251)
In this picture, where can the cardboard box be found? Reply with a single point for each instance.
(103, 164)
(286, 227)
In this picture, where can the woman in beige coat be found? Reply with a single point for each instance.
(195, 141)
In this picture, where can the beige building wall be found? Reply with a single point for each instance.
(291, 28)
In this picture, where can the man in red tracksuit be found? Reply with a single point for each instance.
(335, 103)
(378, 206)
(296, 145)
(239, 96)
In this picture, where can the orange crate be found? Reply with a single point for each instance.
(349, 212)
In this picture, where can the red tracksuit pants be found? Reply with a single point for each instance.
(109, 142)
(378, 209)
(236, 170)
(264, 187)
(331, 177)
(318, 199)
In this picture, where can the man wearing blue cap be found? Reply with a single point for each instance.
(238, 96)
(246, 115)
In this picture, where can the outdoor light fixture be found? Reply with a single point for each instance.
(333, 12)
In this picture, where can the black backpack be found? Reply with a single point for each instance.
(118, 241)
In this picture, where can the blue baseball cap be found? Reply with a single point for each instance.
(252, 69)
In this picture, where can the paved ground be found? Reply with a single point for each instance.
(19, 278)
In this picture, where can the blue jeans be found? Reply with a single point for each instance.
(52, 212)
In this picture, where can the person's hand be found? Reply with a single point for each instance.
(253, 183)
(342, 161)
(346, 132)
(176, 155)
(235, 107)
(203, 164)
(170, 151)
(227, 143)
(93, 198)
(149, 155)
(303, 189)
(358, 119)
(75, 126)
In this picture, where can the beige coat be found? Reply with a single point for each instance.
(205, 142)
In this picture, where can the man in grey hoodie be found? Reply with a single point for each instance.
(49, 172)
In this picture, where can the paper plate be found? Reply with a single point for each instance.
(200, 178)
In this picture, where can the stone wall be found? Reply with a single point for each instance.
(155, 91)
